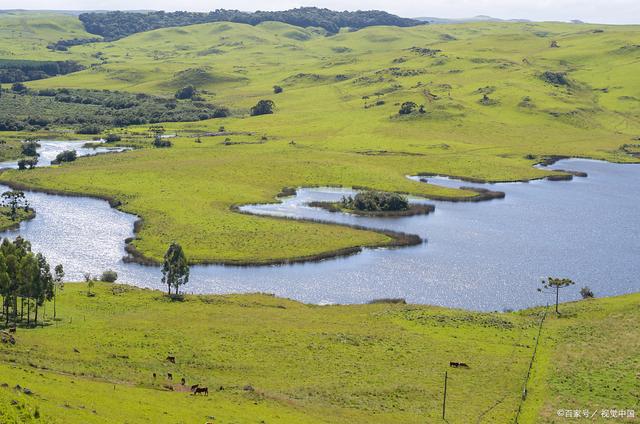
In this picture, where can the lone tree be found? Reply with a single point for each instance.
(58, 285)
(263, 107)
(175, 270)
(556, 284)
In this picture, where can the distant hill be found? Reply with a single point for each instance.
(115, 25)
(479, 18)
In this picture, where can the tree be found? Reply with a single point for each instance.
(14, 200)
(407, 108)
(43, 284)
(30, 148)
(175, 270)
(555, 284)
(188, 92)
(263, 107)
(58, 285)
(27, 163)
(65, 156)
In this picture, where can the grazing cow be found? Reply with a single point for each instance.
(154, 375)
(171, 359)
(458, 365)
(202, 390)
(183, 381)
(12, 330)
(195, 386)
(170, 376)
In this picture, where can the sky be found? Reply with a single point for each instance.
(597, 11)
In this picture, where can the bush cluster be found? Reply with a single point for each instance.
(371, 201)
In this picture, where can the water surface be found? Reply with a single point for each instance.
(485, 256)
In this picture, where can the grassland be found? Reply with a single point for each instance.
(339, 106)
(375, 363)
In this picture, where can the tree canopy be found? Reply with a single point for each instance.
(118, 24)
(25, 277)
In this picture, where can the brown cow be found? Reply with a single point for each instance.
(202, 390)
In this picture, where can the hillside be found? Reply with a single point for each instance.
(340, 102)
(277, 360)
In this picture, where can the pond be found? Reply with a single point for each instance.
(485, 256)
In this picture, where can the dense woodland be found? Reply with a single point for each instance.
(92, 110)
(114, 25)
(27, 70)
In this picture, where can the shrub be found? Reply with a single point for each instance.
(29, 163)
(376, 201)
(89, 129)
(66, 156)
(263, 107)
(18, 87)
(555, 78)
(161, 142)
(30, 148)
(586, 293)
(109, 276)
(188, 92)
(407, 108)
(277, 89)
(112, 138)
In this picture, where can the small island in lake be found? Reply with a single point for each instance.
(376, 203)
(14, 208)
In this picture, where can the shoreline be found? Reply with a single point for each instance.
(389, 301)
(397, 239)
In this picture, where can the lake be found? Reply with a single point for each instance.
(485, 256)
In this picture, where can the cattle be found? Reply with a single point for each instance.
(171, 359)
(154, 375)
(183, 381)
(12, 330)
(458, 365)
(195, 386)
(170, 376)
(201, 390)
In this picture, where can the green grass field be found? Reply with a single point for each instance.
(185, 193)
(375, 363)
(271, 360)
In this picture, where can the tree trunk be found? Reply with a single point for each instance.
(557, 297)
(55, 294)
(28, 312)
(36, 319)
(22, 309)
